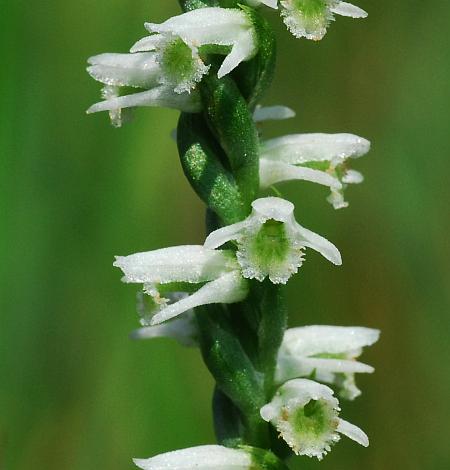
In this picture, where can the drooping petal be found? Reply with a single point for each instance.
(190, 263)
(320, 244)
(272, 172)
(207, 457)
(162, 96)
(353, 432)
(347, 9)
(225, 234)
(272, 113)
(305, 148)
(229, 288)
(244, 49)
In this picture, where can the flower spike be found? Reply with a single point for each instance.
(326, 352)
(271, 242)
(211, 276)
(319, 158)
(306, 414)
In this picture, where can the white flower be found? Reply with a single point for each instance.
(271, 242)
(140, 71)
(310, 18)
(306, 414)
(272, 113)
(210, 276)
(319, 158)
(199, 458)
(327, 353)
(182, 36)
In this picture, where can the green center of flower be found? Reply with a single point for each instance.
(312, 420)
(177, 61)
(271, 243)
(311, 8)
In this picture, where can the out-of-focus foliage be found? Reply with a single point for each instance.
(75, 392)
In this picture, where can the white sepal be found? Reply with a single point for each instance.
(271, 242)
(208, 457)
(306, 414)
(272, 113)
(134, 70)
(305, 148)
(188, 263)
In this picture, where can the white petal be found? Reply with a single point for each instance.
(320, 244)
(223, 235)
(274, 208)
(149, 43)
(272, 172)
(353, 432)
(190, 263)
(304, 148)
(323, 339)
(162, 96)
(183, 329)
(347, 9)
(229, 288)
(244, 49)
(272, 113)
(199, 458)
(136, 70)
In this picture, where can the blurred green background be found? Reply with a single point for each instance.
(75, 392)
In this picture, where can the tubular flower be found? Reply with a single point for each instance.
(327, 353)
(199, 458)
(306, 414)
(209, 276)
(270, 241)
(319, 158)
(139, 71)
(180, 38)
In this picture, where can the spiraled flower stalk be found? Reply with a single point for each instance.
(214, 63)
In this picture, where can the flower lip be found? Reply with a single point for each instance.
(273, 208)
